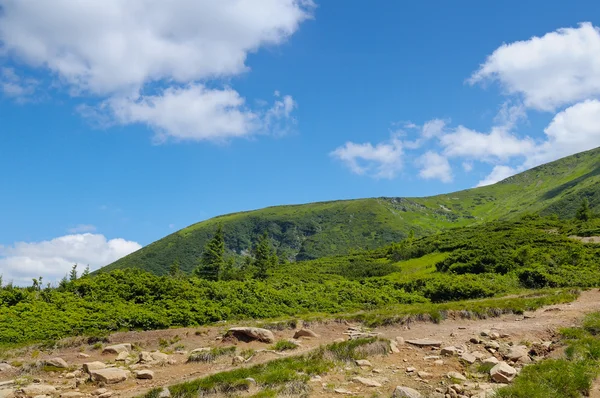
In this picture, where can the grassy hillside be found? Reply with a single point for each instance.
(315, 230)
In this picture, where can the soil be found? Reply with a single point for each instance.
(390, 371)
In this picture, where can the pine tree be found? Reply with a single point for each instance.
(584, 213)
(73, 273)
(212, 260)
(86, 271)
(264, 257)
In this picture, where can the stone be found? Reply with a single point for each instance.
(492, 344)
(89, 366)
(117, 348)
(263, 335)
(478, 355)
(99, 391)
(439, 362)
(503, 373)
(109, 375)
(424, 375)
(159, 356)
(469, 358)
(456, 376)
(106, 395)
(399, 340)
(4, 367)
(363, 362)
(145, 357)
(475, 340)
(494, 336)
(516, 352)
(82, 355)
(367, 382)
(490, 361)
(57, 363)
(305, 333)
(410, 369)
(394, 347)
(144, 374)
(164, 393)
(405, 392)
(38, 389)
(449, 351)
(343, 391)
(425, 343)
(123, 356)
(485, 333)
(72, 394)
(238, 360)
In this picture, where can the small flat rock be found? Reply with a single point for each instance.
(439, 362)
(410, 369)
(99, 391)
(57, 363)
(38, 389)
(449, 351)
(343, 391)
(106, 395)
(159, 356)
(123, 356)
(490, 361)
(456, 376)
(144, 374)
(469, 358)
(394, 347)
(503, 373)
(425, 343)
(367, 382)
(406, 392)
(432, 357)
(363, 362)
(72, 394)
(494, 336)
(305, 333)
(117, 348)
(475, 340)
(485, 333)
(424, 375)
(89, 366)
(82, 355)
(517, 352)
(109, 375)
(492, 344)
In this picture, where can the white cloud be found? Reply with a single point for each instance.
(433, 128)
(382, 160)
(467, 166)
(498, 173)
(54, 258)
(120, 45)
(498, 144)
(434, 166)
(15, 86)
(559, 68)
(82, 228)
(121, 49)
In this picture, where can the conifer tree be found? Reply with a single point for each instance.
(265, 258)
(584, 213)
(212, 260)
(86, 271)
(73, 273)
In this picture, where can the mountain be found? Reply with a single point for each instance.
(314, 230)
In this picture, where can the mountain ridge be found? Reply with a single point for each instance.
(313, 230)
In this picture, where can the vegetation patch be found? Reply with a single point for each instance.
(211, 355)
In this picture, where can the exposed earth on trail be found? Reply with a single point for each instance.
(424, 369)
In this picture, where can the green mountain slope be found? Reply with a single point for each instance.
(314, 230)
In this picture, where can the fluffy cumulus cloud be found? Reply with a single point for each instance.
(117, 49)
(559, 68)
(383, 160)
(557, 73)
(18, 87)
(54, 258)
(434, 166)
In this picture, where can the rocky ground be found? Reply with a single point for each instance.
(456, 358)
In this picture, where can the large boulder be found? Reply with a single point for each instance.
(264, 335)
(305, 333)
(117, 348)
(57, 363)
(503, 373)
(109, 375)
(406, 392)
(38, 389)
(89, 366)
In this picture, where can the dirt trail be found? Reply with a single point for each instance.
(532, 327)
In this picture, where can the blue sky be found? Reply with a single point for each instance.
(126, 120)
